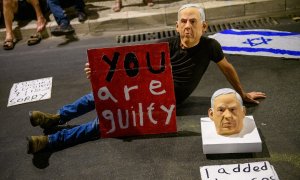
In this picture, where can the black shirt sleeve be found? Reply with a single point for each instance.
(216, 52)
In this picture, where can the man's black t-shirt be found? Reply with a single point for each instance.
(189, 65)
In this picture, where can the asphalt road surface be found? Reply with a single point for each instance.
(176, 156)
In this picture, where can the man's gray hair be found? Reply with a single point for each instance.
(224, 91)
(201, 10)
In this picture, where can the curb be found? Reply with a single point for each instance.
(135, 16)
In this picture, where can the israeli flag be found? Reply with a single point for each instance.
(260, 42)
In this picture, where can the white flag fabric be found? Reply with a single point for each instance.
(260, 42)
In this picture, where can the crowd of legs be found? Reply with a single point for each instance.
(36, 9)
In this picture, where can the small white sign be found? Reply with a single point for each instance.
(30, 91)
(247, 171)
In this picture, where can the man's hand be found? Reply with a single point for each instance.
(87, 70)
(252, 96)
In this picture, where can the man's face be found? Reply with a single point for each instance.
(190, 27)
(228, 114)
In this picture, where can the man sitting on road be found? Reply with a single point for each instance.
(190, 55)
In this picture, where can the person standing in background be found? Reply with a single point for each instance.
(22, 9)
(64, 27)
(118, 5)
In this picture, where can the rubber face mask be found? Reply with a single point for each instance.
(190, 27)
(228, 114)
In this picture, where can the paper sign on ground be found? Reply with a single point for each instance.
(248, 140)
(133, 90)
(246, 171)
(30, 91)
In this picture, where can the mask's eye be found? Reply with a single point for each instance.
(233, 110)
(183, 21)
(193, 21)
(220, 110)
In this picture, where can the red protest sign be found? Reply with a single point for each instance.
(133, 90)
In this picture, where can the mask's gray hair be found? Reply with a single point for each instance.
(224, 91)
(201, 10)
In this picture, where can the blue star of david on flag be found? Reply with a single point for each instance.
(257, 41)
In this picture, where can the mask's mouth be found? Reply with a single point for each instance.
(228, 124)
(188, 34)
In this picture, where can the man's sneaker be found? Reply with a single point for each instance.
(44, 120)
(62, 30)
(36, 143)
(82, 16)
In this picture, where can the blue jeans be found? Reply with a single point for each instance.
(79, 134)
(56, 7)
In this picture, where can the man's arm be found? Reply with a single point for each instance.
(232, 76)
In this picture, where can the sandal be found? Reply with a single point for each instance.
(149, 3)
(9, 44)
(34, 39)
(117, 7)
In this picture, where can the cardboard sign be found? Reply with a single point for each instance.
(247, 171)
(133, 90)
(30, 91)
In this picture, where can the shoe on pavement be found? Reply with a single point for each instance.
(44, 120)
(36, 143)
(62, 30)
(82, 16)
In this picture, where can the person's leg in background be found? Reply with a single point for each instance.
(23, 9)
(61, 19)
(10, 7)
(149, 3)
(79, 6)
(41, 21)
(118, 5)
